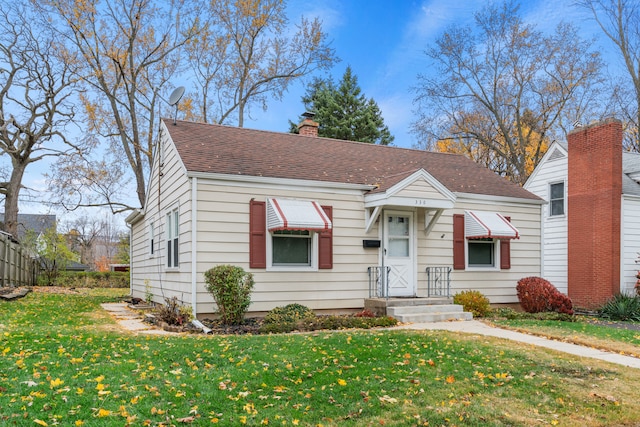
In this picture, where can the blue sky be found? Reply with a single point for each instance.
(383, 41)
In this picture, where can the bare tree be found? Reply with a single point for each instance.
(505, 86)
(620, 22)
(129, 49)
(36, 101)
(243, 55)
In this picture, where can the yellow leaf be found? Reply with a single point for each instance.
(40, 422)
(342, 382)
(79, 423)
(103, 413)
(450, 379)
(56, 383)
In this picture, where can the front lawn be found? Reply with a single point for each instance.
(63, 362)
(584, 331)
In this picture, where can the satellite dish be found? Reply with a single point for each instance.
(175, 96)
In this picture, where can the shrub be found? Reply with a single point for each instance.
(473, 302)
(328, 322)
(537, 295)
(173, 313)
(231, 288)
(89, 279)
(291, 313)
(621, 307)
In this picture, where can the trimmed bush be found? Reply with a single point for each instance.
(537, 295)
(621, 307)
(473, 302)
(231, 288)
(291, 313)
(328, 323)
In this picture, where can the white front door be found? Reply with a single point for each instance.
(398, 253)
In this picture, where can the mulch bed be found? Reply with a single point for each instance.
(250, 326)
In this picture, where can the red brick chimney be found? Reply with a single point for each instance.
(308, 127)
(594, 192)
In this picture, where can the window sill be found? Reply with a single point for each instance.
(172, 269)
(481, 268)
(291, 268)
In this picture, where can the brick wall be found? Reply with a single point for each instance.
(594, 192)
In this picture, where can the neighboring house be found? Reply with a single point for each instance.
(591, 225)
(35, 223)
(314, 219)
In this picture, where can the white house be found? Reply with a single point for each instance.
(591, 224)
(325, 223)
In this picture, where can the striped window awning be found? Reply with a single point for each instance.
(290, 214)
(492, 225)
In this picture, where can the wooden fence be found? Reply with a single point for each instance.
(18, 267)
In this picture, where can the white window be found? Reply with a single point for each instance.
(172, 238)
(152, 233)
(482, 253)
(292, 250)
(556, 199)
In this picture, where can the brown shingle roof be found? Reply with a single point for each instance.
(241, 151)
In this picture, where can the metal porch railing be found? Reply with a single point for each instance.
(378, 282)
(439, 282)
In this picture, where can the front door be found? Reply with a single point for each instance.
(398, 253)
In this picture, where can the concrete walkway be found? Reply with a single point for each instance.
(131, 320)
(479, 328)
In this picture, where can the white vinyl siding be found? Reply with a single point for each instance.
(175, 191)
(630, 243)
(498, 285)
(553, 169)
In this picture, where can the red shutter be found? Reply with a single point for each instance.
(505, 251)
(257, 234)
(458, 242)
(325, 242)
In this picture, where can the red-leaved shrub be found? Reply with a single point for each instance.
(537, 295)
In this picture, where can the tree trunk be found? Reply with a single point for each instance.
(11, 199)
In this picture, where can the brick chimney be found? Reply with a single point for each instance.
(308, 127)
(594, 193)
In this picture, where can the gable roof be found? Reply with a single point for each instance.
(38, 223)
(211, 148)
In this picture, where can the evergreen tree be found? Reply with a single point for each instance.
(343, 112)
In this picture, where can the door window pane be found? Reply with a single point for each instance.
(398, 247)
(398, 226)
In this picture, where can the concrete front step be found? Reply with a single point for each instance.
(428, 313)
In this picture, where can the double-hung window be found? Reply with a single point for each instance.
(172, 238)
(556, 199)
(152, 232)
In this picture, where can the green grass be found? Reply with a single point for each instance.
(63, 362)
(584, 331)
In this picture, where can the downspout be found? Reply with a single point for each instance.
(130, 259)
(194, 245)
